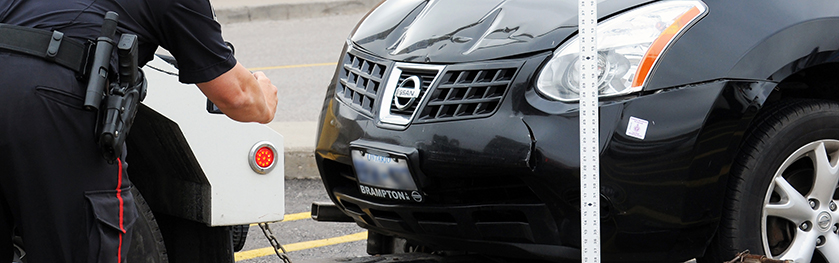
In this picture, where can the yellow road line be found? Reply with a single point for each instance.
(294, 217)
(294, 66)
(298, 216)
(261, 252)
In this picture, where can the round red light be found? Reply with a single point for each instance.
(264, 157)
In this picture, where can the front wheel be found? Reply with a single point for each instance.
(782, 197)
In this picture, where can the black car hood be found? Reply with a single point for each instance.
(450, 31)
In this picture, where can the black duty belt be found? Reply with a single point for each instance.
(49, 45)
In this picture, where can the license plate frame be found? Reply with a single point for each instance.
(384, 174)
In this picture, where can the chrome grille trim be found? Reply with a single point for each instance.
(389, 115)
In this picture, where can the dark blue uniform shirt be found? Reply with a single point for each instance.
(186, 28)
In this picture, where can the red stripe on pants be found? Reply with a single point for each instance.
(121, 211)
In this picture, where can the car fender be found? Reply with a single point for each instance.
(766, 40)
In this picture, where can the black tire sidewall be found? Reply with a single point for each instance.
(147, 244)
(239, 234)
(792, 128)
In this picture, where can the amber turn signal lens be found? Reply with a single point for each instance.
(660, 44)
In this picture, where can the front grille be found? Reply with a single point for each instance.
(465, 94)
(361, 80)
(426, 77)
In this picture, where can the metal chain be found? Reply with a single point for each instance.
(274, 243)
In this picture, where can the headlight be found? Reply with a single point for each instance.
(628, 46)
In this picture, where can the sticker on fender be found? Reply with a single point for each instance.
(637, 128)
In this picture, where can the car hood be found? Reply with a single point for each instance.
(450, 31)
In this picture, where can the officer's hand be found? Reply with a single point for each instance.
(242, 95)
(269, 91)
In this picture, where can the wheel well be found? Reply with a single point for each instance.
(819, 82)
(162, 165)
(816, 82)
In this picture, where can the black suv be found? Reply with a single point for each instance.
(452, 125)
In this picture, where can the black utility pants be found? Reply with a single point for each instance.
(56, 191)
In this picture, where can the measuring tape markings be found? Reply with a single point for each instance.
(589, 133)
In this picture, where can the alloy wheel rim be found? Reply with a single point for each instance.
(799, 214)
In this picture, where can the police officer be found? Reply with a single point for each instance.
(56, 190)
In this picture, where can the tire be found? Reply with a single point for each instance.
(146, 240)
(781, 201)
(240, 234)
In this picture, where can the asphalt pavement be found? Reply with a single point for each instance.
(236, 11)
(299, 194)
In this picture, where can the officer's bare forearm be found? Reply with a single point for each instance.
(243, 96)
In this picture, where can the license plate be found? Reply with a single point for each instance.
(385, 175)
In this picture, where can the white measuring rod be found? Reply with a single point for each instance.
(589, 134)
